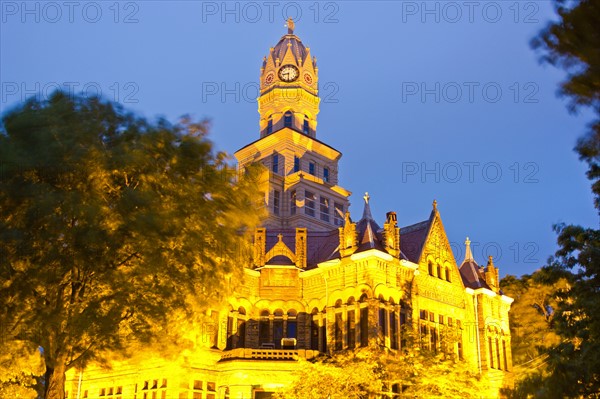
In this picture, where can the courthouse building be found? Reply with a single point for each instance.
(320, 280)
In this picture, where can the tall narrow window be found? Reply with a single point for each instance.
(364, 326)
(241, 328)
(439, 271)
(293, 202)
(338, 214)
(305, 127)
(309, 207)
(393, 330)
(296, 164)
(350, 318)
(383, 323)
(291, 330)
(229, 332)
(314, 330)
(275, 164)
(323, 330)
(276, 201)
(278, 328)
(504, 355)
(270, 126)
(287, 119)
(339, 332)
(324, 203)
(312, 168)
(498, 364)
(430, 267)
(263, 328)
(491, 352)
(326, 175)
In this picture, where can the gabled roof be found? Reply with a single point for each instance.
(320, 246)
(472, 274)
(369, 232)
(412, 239)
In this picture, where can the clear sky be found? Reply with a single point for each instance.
(425, 99)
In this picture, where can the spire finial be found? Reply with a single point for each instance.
(290, 26)
(468, 253)
(367, 210)
(490, 261)
(435, 205)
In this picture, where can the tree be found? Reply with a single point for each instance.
(572, 43)
(110, 225)
(533, 328)
(532, 316)
(373, 371)
(573, 367)
(20, 367)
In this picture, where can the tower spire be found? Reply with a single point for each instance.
(367, 209)
(468, 253)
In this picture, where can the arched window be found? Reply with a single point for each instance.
(277, 328)
(270, 126)
(338, 328)
(364, 321)
(351, 323)
(430, 266)
(287, 119)
(448, 279)
(314, 329)
(291, 328)
(439, 270)
(241, 328)
(230, 336)
(264, 336)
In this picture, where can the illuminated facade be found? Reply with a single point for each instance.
(320, 282)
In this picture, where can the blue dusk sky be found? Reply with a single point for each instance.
(426, 100)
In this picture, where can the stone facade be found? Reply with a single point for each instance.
(320, 282)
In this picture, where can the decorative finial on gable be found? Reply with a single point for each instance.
(468, 253)
(290, 26)
(435, 205)
(367, 209)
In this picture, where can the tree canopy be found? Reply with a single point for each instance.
(572, 367)
(109, 225)
(373, 371)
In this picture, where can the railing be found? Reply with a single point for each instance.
(269, 354)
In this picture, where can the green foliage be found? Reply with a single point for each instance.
(20, 365)
(572, 367)
(110, 225)
(572, 43)
(532, 316)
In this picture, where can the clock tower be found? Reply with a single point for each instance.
(301, 189)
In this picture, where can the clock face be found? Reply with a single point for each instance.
(269, 79)
(308, 78)
(288, 73)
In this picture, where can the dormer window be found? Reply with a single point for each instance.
(305, 128)
(287, 119)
